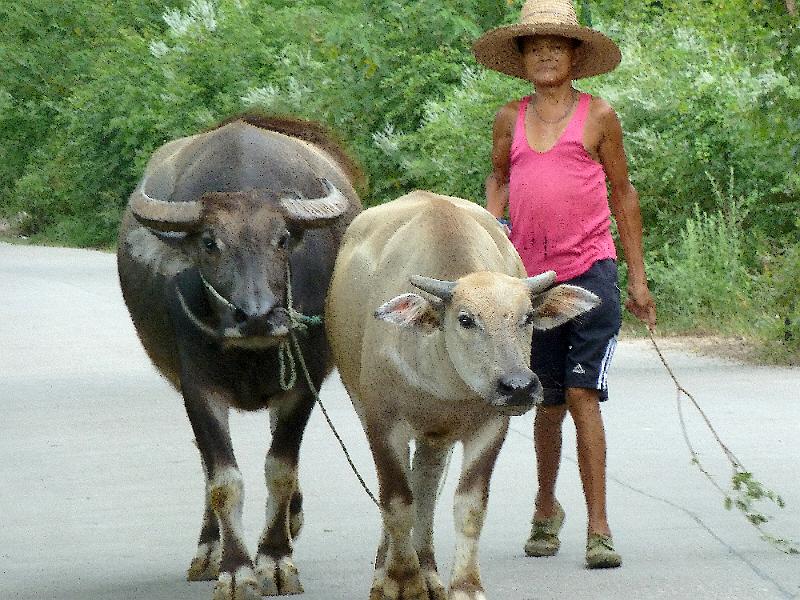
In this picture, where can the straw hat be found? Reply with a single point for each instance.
(498, 50)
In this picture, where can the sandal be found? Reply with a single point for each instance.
(600, 553)
(543, 540)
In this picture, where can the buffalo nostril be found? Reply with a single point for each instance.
(515, 384)
(240, 316)
(505, 388)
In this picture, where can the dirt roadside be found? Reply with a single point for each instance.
(738, 349)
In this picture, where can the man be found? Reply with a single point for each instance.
(552, 154)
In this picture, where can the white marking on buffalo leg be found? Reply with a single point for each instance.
(205, 564)
(462, 595)
(281, 478)
(277, 577)
(241, 585)
(468, 511)
(480, 453)
(278, 574)
(403, 578)
(399, 519)
(226, 497)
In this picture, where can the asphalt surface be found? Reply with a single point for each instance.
(101, 486)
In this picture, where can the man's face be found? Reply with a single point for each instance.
(548, 59)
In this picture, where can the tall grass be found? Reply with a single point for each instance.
(779, 325)
(705, 280)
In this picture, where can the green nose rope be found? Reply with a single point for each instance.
(297, 322)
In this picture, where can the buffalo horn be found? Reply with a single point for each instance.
(161, 215)
(436, 287)
(541, 282)
(317, 210)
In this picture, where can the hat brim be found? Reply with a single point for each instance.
(497, 49)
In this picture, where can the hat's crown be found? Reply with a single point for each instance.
(498, 49)
(561, 12)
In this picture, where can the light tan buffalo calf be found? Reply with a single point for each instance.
(448, 365)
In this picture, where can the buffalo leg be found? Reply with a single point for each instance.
(426, 474)
(274, 567)
(472, 494)
(224, 493)
(397, 570)
(205, 564)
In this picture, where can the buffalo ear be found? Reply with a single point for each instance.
(410, 311)
(560, 304)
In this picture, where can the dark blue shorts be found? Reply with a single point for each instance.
(578, 353)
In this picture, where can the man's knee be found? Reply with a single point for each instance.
(582, 399)
(550, 415)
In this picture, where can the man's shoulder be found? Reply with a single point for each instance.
(509, 109)
(506, 115)
(601, 110)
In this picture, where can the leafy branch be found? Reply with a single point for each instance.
(745, 490)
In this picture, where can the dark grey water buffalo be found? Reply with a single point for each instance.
(217, 226)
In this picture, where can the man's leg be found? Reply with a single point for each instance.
(584, 407)
(547, 441)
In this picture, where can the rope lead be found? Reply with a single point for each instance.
(297, 321)
(286, 351)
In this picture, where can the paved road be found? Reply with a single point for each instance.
(100, 484)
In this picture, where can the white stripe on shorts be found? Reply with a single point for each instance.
(602, 381)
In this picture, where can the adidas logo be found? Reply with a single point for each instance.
(579, 369)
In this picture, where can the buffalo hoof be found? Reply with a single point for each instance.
(205, 564)
(436, 590)
(466, 595)
(241, 585)
(277, 577)
(407, 585)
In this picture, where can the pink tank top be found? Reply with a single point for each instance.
(558, 201)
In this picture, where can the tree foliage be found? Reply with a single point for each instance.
(708, 92)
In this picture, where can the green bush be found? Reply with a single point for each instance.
(780, 295)
(702, 280)
(47, 50)
(211, 59)
(143, 91)
(692, 105)
(707, 92)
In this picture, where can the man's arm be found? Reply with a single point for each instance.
(497, 182)
(624, 203)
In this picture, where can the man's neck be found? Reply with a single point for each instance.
(555, 95)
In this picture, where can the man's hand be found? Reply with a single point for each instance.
(641, 304)
(505, 224)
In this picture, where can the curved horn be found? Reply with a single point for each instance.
(541, 282)
(161, 215)
(316, 211)
(436, 287)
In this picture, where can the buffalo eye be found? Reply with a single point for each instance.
(466, 321)
(209, 243)
(528, 319)
(283, 241)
